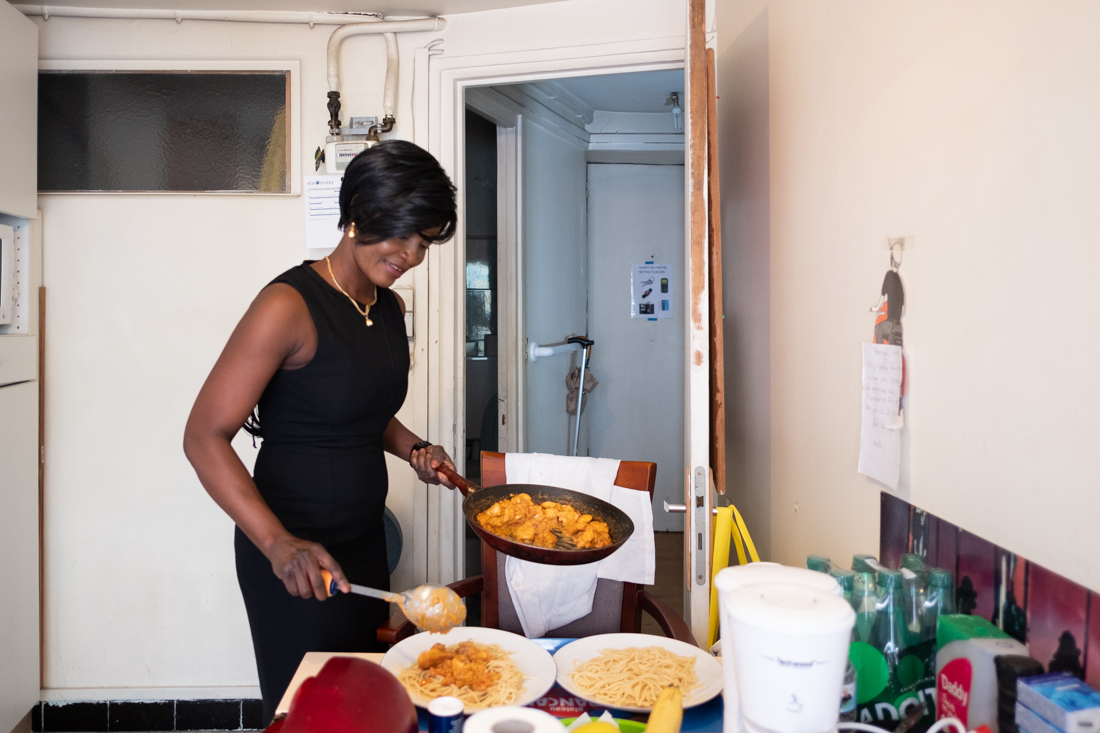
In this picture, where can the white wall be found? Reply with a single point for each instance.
(18, 128)
(19, 372)
(141, 598)
(971, 126)
(636, 214)
(555, 260)
(141, 594)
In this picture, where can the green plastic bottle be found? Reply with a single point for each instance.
(847, 581)
(819, 563)
(892, 671)
(864, 596)
(939, 601)
(890, 634)
(914, 571)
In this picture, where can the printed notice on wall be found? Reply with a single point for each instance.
(880, 432)
(651, 291)
(323, 210)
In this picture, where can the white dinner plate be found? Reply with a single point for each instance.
(707, 668)
(535, 662)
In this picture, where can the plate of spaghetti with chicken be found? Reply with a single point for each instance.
(484, 668)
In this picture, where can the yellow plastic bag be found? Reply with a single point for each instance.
(728, 525)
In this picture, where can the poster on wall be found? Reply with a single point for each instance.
(884, 381)
(322, 197)
(651, 291)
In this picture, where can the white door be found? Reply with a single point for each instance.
(19, 610)
(636, 214)
(698, 493)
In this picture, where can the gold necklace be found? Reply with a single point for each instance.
(364, 313)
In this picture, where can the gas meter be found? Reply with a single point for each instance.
(341, 149)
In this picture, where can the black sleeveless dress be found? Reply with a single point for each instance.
(322, 471)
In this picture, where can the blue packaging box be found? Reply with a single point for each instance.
(1062, 700)
(1029, 722)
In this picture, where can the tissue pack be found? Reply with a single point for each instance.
(1062, 700)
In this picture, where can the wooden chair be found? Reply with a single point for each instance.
(497, 611)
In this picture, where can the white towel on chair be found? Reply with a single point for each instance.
(548, 597)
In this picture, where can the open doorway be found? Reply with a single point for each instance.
(598, 188)
(480, 349)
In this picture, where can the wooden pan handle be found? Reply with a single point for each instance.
(465, 486)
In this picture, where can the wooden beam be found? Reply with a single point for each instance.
(697, 521)
(717, 364)
(697, 113)
(41, 485)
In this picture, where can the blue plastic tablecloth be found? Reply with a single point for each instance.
(706, 718)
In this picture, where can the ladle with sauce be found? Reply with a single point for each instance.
(434, 608)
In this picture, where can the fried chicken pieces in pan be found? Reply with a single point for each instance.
(519, 518)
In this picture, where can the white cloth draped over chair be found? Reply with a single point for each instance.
(548, 597)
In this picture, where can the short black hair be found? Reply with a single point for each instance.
(397, 189)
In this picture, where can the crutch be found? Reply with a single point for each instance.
(585, 345)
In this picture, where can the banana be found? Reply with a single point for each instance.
(668, 712)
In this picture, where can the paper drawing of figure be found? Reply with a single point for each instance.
(1067, 657)
(888, 322)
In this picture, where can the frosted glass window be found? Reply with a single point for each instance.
(163, 131)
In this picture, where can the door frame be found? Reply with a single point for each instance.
(508, 117)
(449, 78)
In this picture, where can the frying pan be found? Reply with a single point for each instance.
(477, 500)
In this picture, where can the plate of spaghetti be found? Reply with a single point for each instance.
(484, 668)
(628, 671)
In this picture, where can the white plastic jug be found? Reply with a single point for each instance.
(821, 614)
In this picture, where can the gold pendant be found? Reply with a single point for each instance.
(369, 322)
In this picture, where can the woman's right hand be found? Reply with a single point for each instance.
(298, 563)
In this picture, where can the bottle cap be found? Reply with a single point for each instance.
(859, 563)
(820, 563)
(889, 579)
(846, 578)
(445, 707)
(940, 578)
(913, 562)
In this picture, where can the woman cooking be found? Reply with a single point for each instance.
(323, 352)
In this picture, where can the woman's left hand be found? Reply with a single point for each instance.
(425, 462)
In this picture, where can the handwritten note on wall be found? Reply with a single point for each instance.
(880, 432)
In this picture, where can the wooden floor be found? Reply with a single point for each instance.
(668, 583)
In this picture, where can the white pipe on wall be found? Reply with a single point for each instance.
(389, 98)
(388, 27)
(351, 24)
(240, 16)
